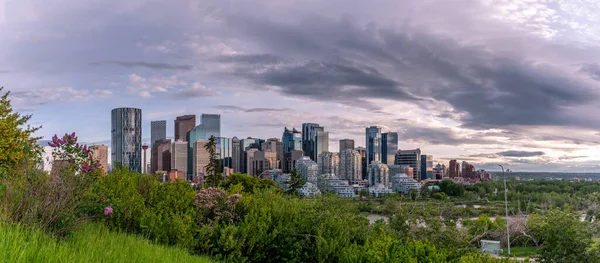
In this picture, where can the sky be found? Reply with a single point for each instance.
(489, 82)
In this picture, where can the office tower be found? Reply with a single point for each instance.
(363, 156)
(224, 149)
(243, 145)
(290, 159)
(351, 166)
(346, 144)
(161, 156)
(292, 140)
(126, 138)
(264, 161)
(158, 131)
(389, 147)
(235, 155)
(179, 157)
(308, 169)
(328, 163)
(373, 144)
(100, 154)
(314, 140)
(274, 145)
(468, 170)
(200, 159)
(183, 124)
(411, 158)
(454, 169)
(249, 154)
(426, 167)
(210, 126)
(395, 169)
(378, 174)
(438, 172)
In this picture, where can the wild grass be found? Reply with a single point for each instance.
(91, 243)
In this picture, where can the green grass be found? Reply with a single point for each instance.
(92, 243)
(522, 252)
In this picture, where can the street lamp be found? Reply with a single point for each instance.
(506, 205)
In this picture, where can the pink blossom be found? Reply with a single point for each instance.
(108, 211)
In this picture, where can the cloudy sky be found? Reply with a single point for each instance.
(488, 81)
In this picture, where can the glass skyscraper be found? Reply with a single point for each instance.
(210, 126)
(373, 143)
(389, 147)
(314, 140)
(126, 138)
(292, 140)
(158, 131)
(225, 152)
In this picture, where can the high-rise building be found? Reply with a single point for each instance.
(235, 155)
(453, 169)
(264, 161)
(373, 144)
(100, 154)
(210, 126)
(224, 150)
(200, 159)
(183, 124)
(351, 166)
(158, 131)
(179, 157)
(314, 140)
(378, 174)
(292, 140)
(290, 159)
(389, 147)
(346, 144)
(273, 144)
(250, 154)
(468, 170)
(328, 163)
(161, 156)
(363, 156)
(411, 158)
(126, 138)
(308, 169)
(395, 169)
(426, 167)
(438, 172)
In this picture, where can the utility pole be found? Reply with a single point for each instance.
(506, 205)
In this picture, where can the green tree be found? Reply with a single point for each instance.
(414, 193)
(296, 182)
(213, 169)
(17, 145)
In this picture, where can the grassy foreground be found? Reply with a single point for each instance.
(92, 243)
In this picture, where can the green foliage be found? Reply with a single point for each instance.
(92, 243)
(248, 183)
(440, 196)
(213, 170)
(296, 182)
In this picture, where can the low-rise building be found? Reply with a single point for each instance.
(333, 184)
(402, 183)
(309, 190)
(380, 190)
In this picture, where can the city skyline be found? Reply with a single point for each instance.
(520, 93)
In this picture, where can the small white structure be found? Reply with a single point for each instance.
(491, 247)
(380, 190)
(333, 184)
(309, 190)
(403, 184)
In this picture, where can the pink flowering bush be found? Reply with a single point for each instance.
(78, 156)
(108, 211)
(216, 205)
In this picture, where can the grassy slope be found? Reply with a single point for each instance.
(93, 243)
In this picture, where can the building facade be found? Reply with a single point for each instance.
(314, 140)
(210, 126)
(292, 140)
(200, 160)
(389, 147)
(328, 163)
(373, 144)
(235, 155)
(290, 159)
(378, 174)
(100, 154)
(224, 150)
(401, 183)
(179, 157)
(346, 144)
(161, 156)
(363, 153)
(183, 124)
(411, 158)
(426, 167)
(351, 166)
(126, 138)
(158, 131)
(308, 169)
(264, 161)
(453, 169)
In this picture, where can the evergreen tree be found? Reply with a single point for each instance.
(213, 169)
(296, 182)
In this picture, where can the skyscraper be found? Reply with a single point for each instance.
(292, 140)
(183, 124)
(363, 157)
(290, 159)
(224, 149)
(276, 146)
(158, 131)
(378, 174)
(161, 156)
(346, 144)
(244, 145)
(264, 161)
(126, 138)
(351, 166)
(411, 158)
(426, 167)
(453, 169)
(235, 155)
(389, 147)
(314, 140)
(210, 126)
(200, 159)
(100, 154)
(328, 163)
(179, 157)
(373, 144)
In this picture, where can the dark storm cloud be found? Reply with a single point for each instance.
(439, 136)
(520, 153)
(592, 69)
(141, 64)
(409, 64)
(236, 108)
